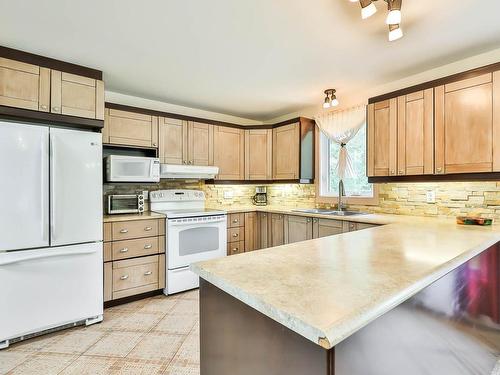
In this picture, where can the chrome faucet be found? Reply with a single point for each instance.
(340, 204)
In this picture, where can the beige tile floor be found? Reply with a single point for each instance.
(158, 335)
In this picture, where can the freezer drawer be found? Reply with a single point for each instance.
(47, 288)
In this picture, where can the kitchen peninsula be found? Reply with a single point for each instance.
(411, 296)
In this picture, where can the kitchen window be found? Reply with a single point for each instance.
(357, 188)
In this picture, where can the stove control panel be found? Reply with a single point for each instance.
(180, 195)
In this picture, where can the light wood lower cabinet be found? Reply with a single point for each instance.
(286, 152)
(327, 227)
(276, 233)
(235, 233)
(263, 222)
(24, 85)
(298, 228)
(229, 153)
(134, 257)
(258, 154)
(74, 95)
(251, 232)
(130, 128)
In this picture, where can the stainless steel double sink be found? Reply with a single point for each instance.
(324, 211)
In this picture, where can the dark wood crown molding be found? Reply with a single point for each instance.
(488, 176)
(47, 62)
(437, 82)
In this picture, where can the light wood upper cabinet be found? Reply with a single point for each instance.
(130, 128)
(382, 138)
(172, 141)
(74, 95)
(286, 152)
(229, 153)
(415, 136)
(24, 85)
(200, 143)
(297, 228)
(258, 154)
(464, 125)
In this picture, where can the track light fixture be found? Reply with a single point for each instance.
(330, 99)
(393, 18)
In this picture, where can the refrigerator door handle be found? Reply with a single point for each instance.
(58, 253)
(44, 192)
(52, 190)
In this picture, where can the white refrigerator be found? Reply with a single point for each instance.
(51, 269)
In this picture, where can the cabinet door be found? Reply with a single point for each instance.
(327, 227)
(200, 143)
(382, 142)
(74, 95)
(286, 152)
(464, 126)
(172, 138)
(276, 230)
(258, 154)
(251, 231)
(416, 133)
(130, 128)
(298, 228)
(24, 85)
(263, 230)
(229, 153)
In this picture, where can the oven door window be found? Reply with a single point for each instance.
(118, 204)
(198, 240)
(132, 169)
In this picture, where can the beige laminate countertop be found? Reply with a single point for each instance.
(328, 288)
(127, 217)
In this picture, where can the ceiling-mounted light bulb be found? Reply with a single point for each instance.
(353, 1)
(335, 102)
(326, 104)
(368, 9)
(395, 33)
(394, 15)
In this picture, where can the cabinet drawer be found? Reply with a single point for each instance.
(135, 248)
(235, 247)
(134, 229)
(235, 234)
(135, 273)
(235, 220)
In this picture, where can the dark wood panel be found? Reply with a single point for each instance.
(20, 114)
(48, 62)
(493, 176)
(133, 298)
(235, 339)
(437, 82)
(257, 182)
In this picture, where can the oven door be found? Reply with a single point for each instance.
(195, 239)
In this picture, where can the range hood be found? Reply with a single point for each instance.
(183, 172)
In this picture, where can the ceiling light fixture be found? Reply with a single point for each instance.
(368, 9)
(395, 32)
(330, 99)
(393, 18)
(394, 15)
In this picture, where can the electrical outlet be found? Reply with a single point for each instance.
(146, 194)
(228, 194)
(430, 196)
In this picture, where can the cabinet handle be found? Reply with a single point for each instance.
(235, 221)
(147, 229)
(401, 172)
(190, 162)
(235, 250)
(184, 162)
(43, 106)
(55, 109)
(125, 277)
(439, 169)
(235, 235)
(123, 230)
(154, 144)
(392, 172)
(124, 250)
(147, 273)
(148, 246)
(308, 220)
(315, 220)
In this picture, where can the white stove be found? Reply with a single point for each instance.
(194, 234)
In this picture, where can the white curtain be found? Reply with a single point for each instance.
(341, 127)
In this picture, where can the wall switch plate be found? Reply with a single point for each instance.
(430, 196)
(228, 194)
(146, 194)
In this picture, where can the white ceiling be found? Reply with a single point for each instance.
(256, 59)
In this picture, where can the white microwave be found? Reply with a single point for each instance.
(121, 168)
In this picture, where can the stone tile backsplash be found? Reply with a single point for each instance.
(452, 198)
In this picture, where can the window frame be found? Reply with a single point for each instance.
(321, 156)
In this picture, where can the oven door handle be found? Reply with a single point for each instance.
(175, 223)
